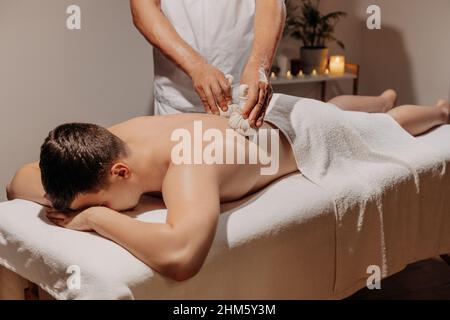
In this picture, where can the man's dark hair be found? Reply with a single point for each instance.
(75, 158)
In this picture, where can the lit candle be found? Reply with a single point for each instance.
(314, 72)
(273, 75)
(327, 71)
(300, 74)
(337, 65)
(289, 75)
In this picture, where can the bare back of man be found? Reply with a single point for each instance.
(235, 180)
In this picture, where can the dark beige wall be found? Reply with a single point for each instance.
(102, 73)
(410, 53)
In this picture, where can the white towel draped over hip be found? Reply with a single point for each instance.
(358, 158)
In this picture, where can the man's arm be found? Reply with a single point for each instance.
(27, 185)
(209, 82)
(178, 248)
(269, 24)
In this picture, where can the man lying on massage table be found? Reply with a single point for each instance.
(88, 174)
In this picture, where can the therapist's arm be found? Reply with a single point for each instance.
(27, 185)
(208, 81)
(269, 23)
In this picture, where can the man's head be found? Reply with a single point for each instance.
(81, 166)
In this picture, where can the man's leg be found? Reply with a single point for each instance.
(419, 119)
(381, 104)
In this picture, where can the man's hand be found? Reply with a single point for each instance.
(212, 87)
(259, 94)
(72, 220)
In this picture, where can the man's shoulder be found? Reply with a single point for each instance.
(186, 176)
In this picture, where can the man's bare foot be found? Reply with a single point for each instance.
(391, 99)
(444, 105)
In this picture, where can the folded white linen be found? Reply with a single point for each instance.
(357, 158)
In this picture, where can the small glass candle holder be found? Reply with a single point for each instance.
(337, 65)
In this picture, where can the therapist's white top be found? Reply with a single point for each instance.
(220, 30)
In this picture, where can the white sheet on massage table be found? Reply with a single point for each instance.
(279, 244)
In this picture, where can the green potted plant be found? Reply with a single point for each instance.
(305, 22)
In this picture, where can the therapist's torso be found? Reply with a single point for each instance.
(220, 30)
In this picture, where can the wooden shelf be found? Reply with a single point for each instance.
(351, 73)
(309, 79)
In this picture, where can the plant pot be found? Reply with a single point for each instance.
(313, 58)
(296, 66)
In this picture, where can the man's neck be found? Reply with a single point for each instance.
(149, 169)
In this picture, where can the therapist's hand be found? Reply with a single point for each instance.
(212, 87)
(259, 94)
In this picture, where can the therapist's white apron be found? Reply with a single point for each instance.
(220, 30)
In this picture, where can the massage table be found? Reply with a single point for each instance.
(281, 243)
